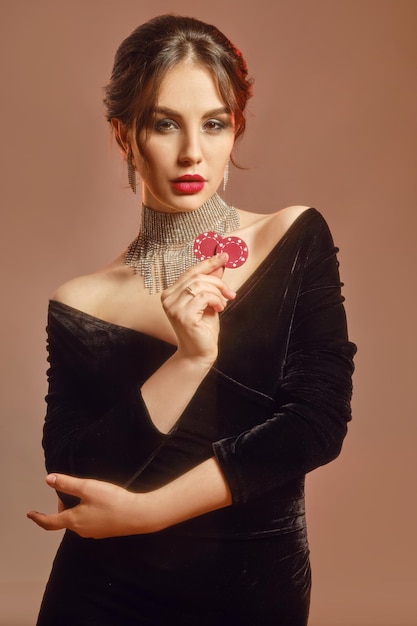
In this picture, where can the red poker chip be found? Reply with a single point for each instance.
(210, 243)
(237, 250)
(205, 245)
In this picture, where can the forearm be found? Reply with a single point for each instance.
(169, 390)
(195, 319)
(201, 490)
(106, 510)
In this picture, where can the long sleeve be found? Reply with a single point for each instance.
(96, 425)
(312, 399)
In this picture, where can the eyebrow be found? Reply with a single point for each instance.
(212, 113)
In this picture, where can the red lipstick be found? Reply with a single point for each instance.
(188, 184)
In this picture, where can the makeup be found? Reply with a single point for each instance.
(188, 184)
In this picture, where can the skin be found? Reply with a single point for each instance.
(194, 134)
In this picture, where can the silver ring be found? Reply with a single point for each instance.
(190, 291)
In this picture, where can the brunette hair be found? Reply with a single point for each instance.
(151, 50)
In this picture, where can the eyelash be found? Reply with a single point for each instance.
(162, 125)
(219, 125)
(167, 125)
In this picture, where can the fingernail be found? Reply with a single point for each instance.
(51, 479)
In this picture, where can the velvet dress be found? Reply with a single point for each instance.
(274, 406)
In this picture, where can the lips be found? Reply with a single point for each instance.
(188, 184)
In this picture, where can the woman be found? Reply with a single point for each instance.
(198, 386)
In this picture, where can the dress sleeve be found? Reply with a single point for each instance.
(109, 440)
(312, 404)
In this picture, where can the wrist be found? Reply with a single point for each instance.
(196, 363)
(149, 513)
(137, 514)
(200, 490)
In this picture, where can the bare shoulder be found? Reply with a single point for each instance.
(289, 214)
(283, 217)
(261, 232)
(87, 292)
(271, 227)
(78, 292)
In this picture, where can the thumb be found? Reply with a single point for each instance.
(218, 273)
(219, 269)
(70, 485)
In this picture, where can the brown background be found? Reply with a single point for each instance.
(333, 125)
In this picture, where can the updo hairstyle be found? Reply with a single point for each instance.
(144, 58)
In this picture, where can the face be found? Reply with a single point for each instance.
(189, 145)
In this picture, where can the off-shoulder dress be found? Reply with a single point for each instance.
(274, 406)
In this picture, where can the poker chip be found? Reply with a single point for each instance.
(205, 245)
(236, 248)
(209, 243)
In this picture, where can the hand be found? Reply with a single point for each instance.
(193, 313)
(105, 510)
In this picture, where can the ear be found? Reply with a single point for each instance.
(121, 134)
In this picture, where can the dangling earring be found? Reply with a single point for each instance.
(226, 175)
(131, 171)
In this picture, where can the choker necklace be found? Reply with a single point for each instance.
(164, 248)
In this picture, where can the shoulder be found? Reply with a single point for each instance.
(276, 224)
(79, 291)
(86, 293)
(266, 230)
(283, 217)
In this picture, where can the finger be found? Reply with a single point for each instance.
(195, 295)
(208, 272)
(71, 485)
(207, 299)
(211, 270)
(218, 272)
(55, 521)
(205, 285)
(214, 264)
(215, 269)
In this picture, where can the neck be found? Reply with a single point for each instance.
(163, 249)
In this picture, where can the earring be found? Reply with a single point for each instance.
(131, 171)
(226, 176)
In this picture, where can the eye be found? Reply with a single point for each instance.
(214, 126)
(165, 125)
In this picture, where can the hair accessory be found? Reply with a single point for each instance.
(131, 171)
(209, 243)
(190, 291)
(164, 248)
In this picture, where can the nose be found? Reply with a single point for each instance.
(190, 150)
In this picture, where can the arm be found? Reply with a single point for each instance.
(106, 510)
(305, 431)
(81, 440)
(195, 320)
(312, 410)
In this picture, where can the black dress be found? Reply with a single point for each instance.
(274, 406)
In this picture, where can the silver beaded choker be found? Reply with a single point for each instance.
(163, 250)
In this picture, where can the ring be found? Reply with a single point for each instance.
(190, 291)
